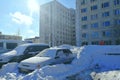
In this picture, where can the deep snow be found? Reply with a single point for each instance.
(91, 62)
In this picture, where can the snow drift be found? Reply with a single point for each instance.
(88, 59)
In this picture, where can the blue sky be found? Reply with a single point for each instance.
(23, 16)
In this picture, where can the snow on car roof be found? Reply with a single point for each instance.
(32, 44)
(67, 46)
(56, 48)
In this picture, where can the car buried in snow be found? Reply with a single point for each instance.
(22, 52)
(49, 56)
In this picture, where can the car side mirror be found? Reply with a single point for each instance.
(57, 57)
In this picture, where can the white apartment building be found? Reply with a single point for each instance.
(57, 24)
(97, 22)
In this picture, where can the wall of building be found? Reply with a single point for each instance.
(97, 21)
(56, 26)
(9, 37)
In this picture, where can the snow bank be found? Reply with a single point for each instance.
(9, 68)
(11, 76)
(88, 59)
(56, 72)
(108, 75)
(10, 72)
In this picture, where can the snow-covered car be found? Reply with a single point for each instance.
(22, 52)
(49, 56)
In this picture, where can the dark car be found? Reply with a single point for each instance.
(22, 52)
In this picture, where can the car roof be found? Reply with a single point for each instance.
(56, 48)
(34, 44)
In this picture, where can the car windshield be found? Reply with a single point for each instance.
(47, 53)
(20, 49)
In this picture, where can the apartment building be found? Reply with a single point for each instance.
(97, 22)
(57, 24)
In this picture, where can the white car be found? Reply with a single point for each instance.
(49, 56)
(22, 52)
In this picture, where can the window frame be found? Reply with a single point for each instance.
(105, 5)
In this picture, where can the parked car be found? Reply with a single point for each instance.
(8, 45)
(49, 56)
(22, 52)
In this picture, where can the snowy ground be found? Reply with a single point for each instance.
(91, 63)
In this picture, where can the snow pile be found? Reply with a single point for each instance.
(9, 68)
(55, 72)
(11, 76)
(88, 58)
(101, 56)
(90, 62)
(10, 72)
(107, 75)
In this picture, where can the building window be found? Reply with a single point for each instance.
(116, 2)
(84, 26)
(93, 17)
(84, 35)
(84, 43)
(106, 23)
(93, 0)
(94, 25)
(105, 14)
(95, 42)
(83, 2)
(106, 34)
(118, 42)
(83, 10)
(106, 4)
(107, 42)
(84, 18)
(1, 44)
(95, 35)
(94, 7)
(117, 22)
(116, 33)
(117, 11)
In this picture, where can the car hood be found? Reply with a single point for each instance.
(36, 60)
(9, 54)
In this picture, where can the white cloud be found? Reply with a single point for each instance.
(20, 18)
(30, 32)
(33, 6)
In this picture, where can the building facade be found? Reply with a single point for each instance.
(57, 24)
(97, 22)
(9, 37)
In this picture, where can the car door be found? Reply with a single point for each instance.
(29, 52)
(60, 56)
(69, 55)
